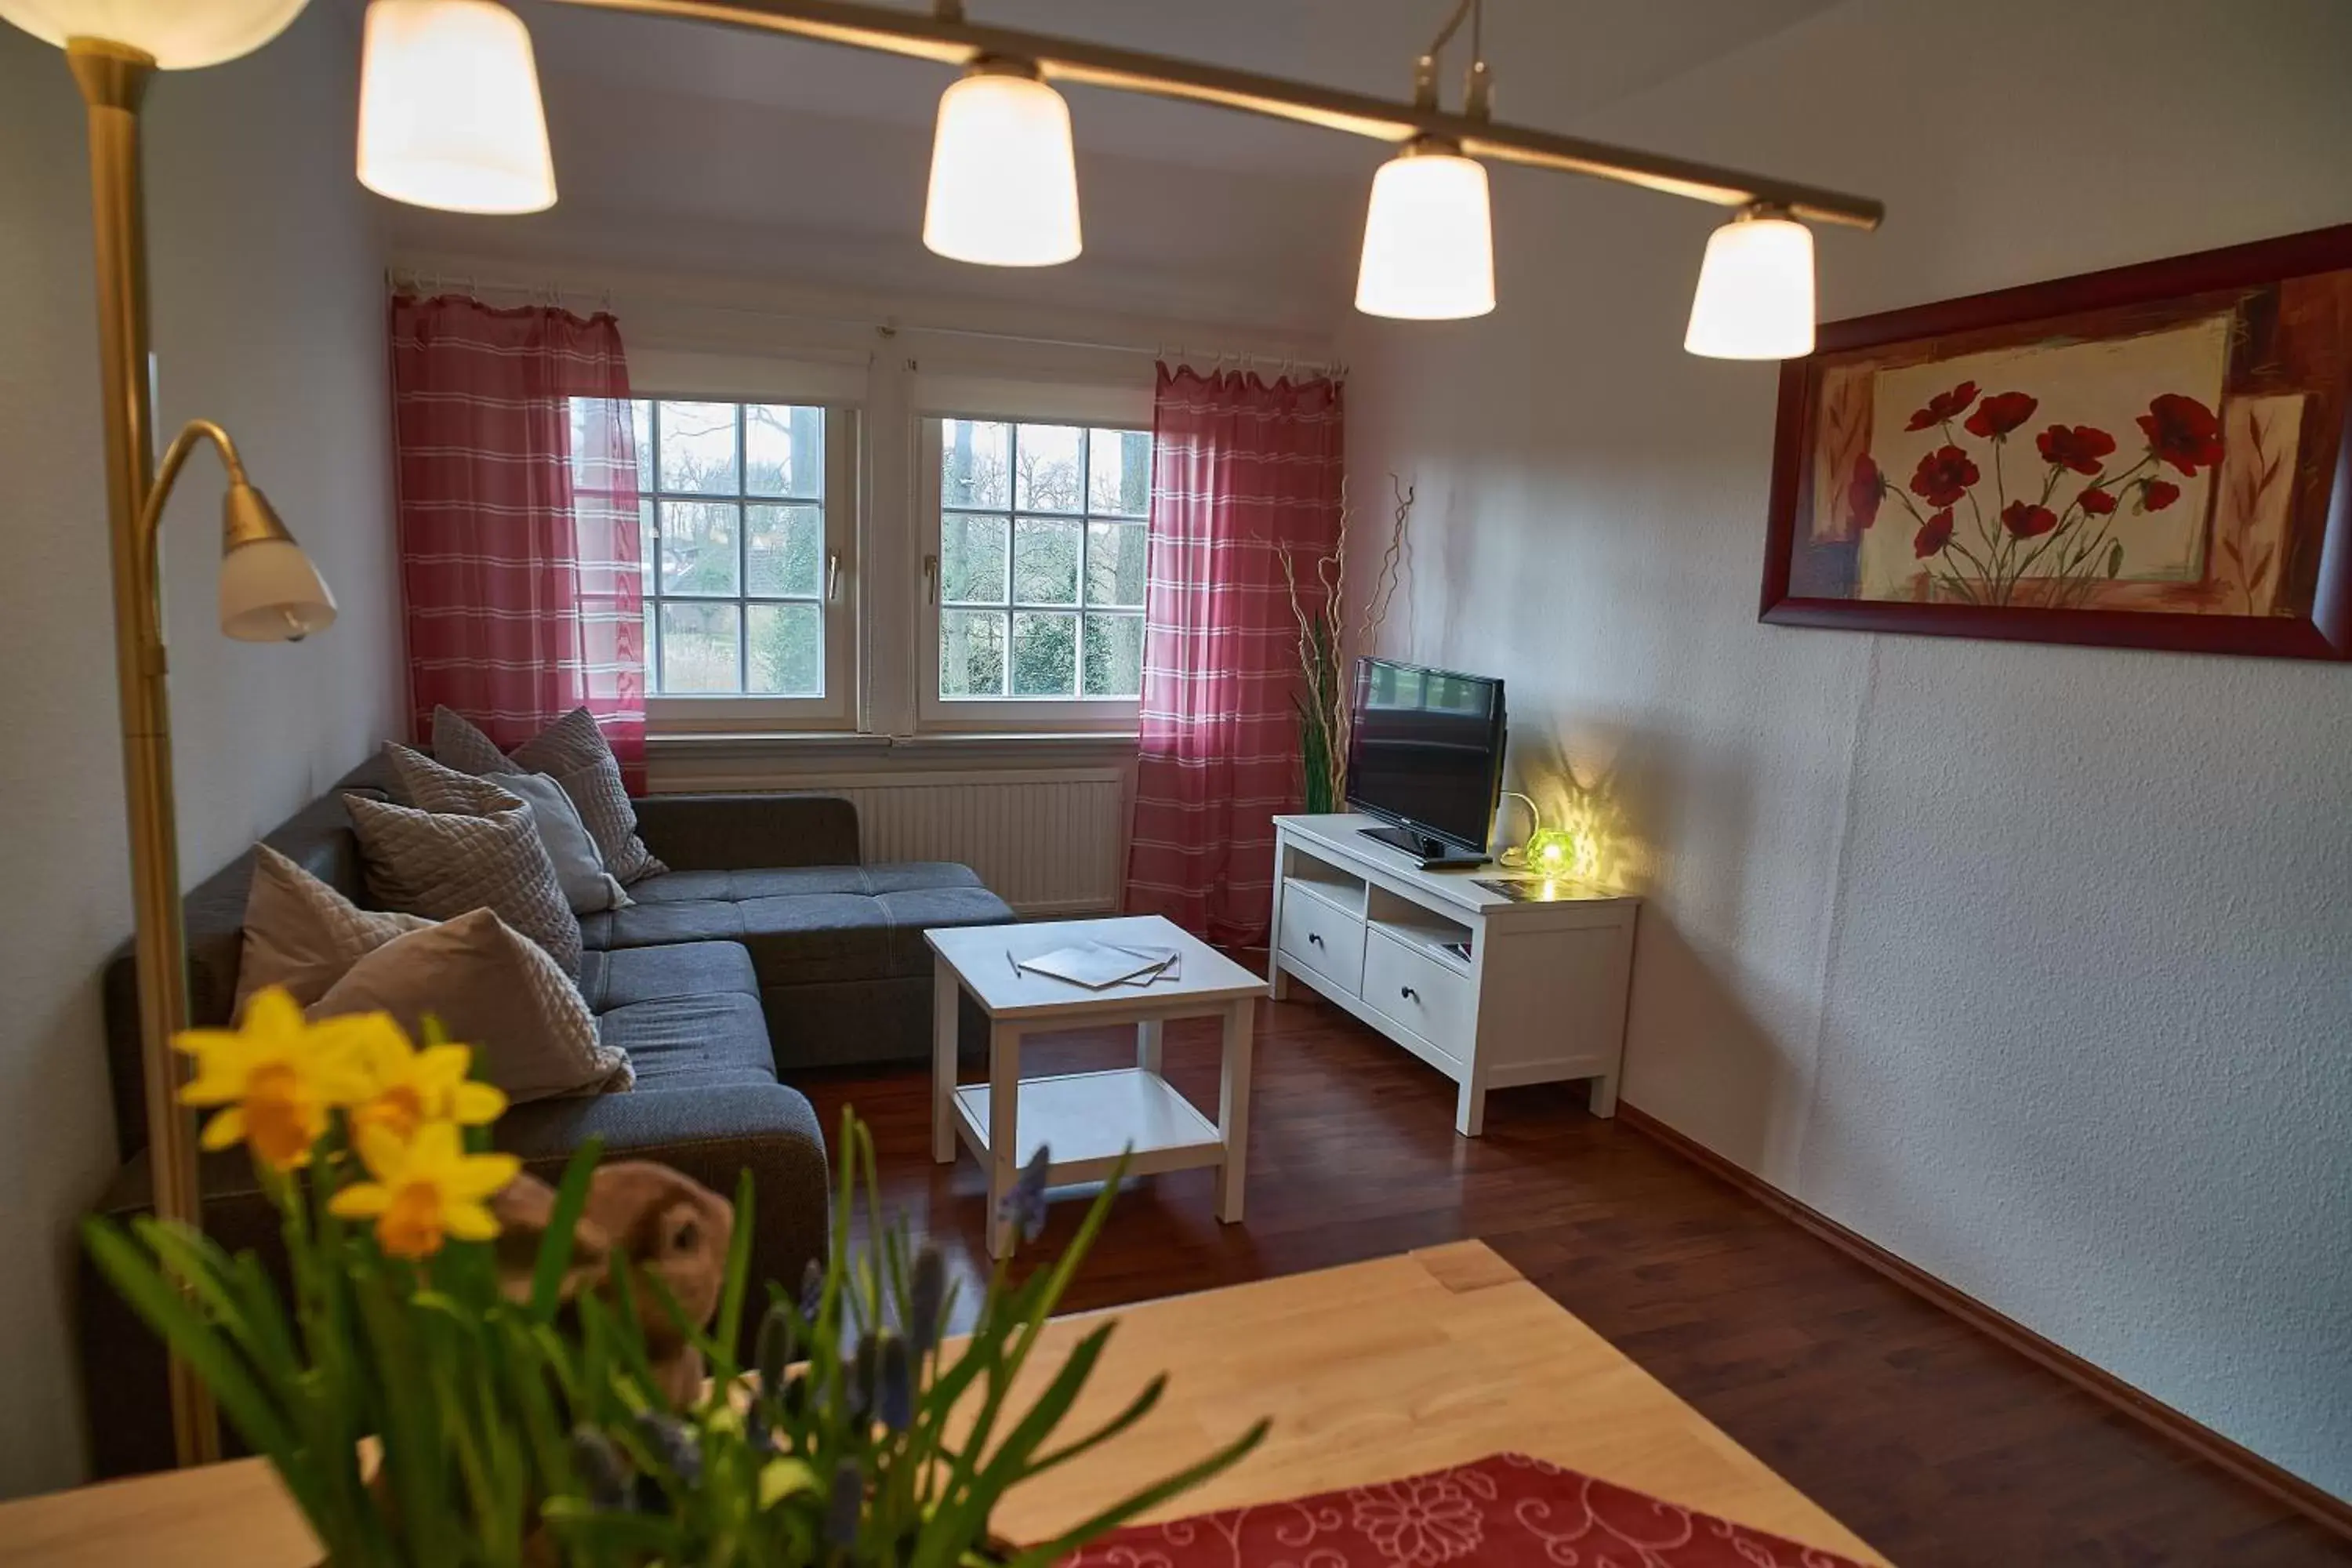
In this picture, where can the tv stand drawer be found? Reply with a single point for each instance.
(1436, 1003)
(1320, 936)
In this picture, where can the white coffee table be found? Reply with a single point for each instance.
(1085, 1119)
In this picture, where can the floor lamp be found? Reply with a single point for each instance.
(268, 590)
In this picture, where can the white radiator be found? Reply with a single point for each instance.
(1049, 842)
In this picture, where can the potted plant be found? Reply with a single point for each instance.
(423, 1406)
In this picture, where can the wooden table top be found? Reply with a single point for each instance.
(1370, 1372)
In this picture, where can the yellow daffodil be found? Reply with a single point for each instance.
(410, 1088)
(275, 1074)
(426, 1189)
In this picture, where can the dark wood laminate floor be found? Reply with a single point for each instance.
(1936, 1445)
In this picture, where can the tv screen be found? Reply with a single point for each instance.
(1426, 751)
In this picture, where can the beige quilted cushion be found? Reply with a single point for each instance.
(486, 855)
(302, 935)
(573, 752)
(494, 990)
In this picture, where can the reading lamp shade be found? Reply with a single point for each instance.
(180, 34)
(269, 592)
(450, 115)
(1429, 238)
(1755, 298)
(1005, 180)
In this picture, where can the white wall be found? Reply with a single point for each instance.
(2028, 962)
(268, 317)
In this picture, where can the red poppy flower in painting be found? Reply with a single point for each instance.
(1944, 405)
(1933, 535)
(2027, 521)
(2079, 448)
(2182, 432)
(2157, 494)
(2098, 503)
(1997, 415)
(1944, 475)
(1863, 490)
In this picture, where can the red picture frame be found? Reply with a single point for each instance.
(2288, 304)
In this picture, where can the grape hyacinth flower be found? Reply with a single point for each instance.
(927, 1299)
(1025, 1205)
(894, 1394)
(599, 1466)
(844, 1504)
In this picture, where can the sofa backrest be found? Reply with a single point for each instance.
(318, 839)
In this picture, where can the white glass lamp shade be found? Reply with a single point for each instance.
(1005, 180)
(269, 592)
(1429, 238)
(180, 34)
(450, 114)
(1755, 298)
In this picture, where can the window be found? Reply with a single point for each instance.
(1038, 575)
(743, 533)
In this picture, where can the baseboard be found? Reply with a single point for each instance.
(2280, 1485)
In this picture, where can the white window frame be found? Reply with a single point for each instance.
(1014, 403)
(698, 378)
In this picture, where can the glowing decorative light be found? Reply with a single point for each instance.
(1429, 238)
(180, 34)
(1004, 179)
(449, 109)
(1755, 298)
(1551, 852)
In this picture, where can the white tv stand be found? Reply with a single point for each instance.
(1539, 997)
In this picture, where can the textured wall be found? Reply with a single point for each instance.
(2028, 962)
(267, 316)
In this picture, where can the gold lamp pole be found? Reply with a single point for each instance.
(268, 590)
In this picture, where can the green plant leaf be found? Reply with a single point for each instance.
(554, 1259)
(780, 1479)
(1152, 1497)
(728, 1329)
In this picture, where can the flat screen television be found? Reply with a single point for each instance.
(1425, 755)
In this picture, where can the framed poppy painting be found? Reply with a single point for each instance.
(2153, 456)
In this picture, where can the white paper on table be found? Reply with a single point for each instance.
(1093, 965)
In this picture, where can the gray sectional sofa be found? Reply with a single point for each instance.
(765, 948)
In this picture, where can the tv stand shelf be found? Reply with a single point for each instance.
(1540, 996)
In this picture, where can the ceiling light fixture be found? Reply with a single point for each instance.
(1004, 177)
(1755, 296)
(1429, 241)
(450, 116)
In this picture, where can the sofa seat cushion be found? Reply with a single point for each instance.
(692, 1042)
(628, 976)
(805, 924)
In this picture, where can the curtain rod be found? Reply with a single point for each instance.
(434, 281)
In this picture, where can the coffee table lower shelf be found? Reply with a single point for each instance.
(1088, 1119)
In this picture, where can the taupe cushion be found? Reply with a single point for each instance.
(302, 935)
(494, 990)
(447, 864)
(573, 752)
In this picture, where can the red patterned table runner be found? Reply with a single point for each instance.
(1507, 1510)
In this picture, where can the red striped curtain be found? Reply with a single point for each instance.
(1238, 468)
(518, 475)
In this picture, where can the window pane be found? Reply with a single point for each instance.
(641, 414)
(1044, 655)
(971, 653)
(698, 647)
(1118, 471)
(785, 551)
(785, 647)
(697, 449)
(971, 559)
(783, 450)
(698, 547)
(1047, 468)
(1114, 656)
(1046, 562)
(649, 540)
(653, 644)
(1116, 557)
(974, 463)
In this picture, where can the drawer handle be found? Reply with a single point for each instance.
(1314, 939)
(1408, 993)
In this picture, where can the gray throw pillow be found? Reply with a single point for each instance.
(484, 855)
(493, 989)
(579, 864)
(573, 752)
(588, 888)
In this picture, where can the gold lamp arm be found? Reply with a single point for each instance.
(150, 521)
